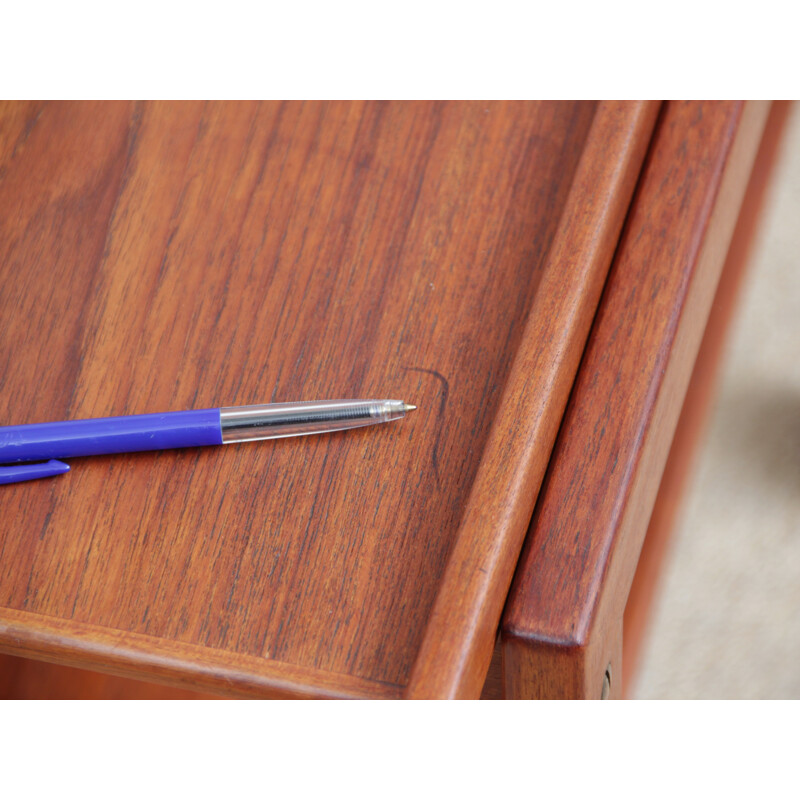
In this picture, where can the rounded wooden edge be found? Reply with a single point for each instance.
(699, 397)
(186, 666)
(457, 646)
(574, 576)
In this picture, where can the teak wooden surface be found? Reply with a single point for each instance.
(167, 256)
(562, 626)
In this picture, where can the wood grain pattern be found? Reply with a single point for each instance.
(563, 621)
(167, 256)
(466, 615)
(699, 398)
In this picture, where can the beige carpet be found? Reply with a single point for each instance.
(727, 622)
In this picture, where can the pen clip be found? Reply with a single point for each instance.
(16, 473)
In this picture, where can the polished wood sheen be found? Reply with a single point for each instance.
(562, 627)
(168, 256)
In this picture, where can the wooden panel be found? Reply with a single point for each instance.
(699, 396)
(467, 612)
(563, 622)
(25, 679)
(167, 256)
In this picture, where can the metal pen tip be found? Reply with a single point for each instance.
(408, 407)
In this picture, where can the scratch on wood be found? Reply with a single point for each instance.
(445, 393)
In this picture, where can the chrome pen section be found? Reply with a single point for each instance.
(279, 420)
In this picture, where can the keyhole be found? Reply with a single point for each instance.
(606, 690)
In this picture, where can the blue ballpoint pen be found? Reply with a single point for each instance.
(47, 442)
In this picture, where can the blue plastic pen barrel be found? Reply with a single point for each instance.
(94, 437)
